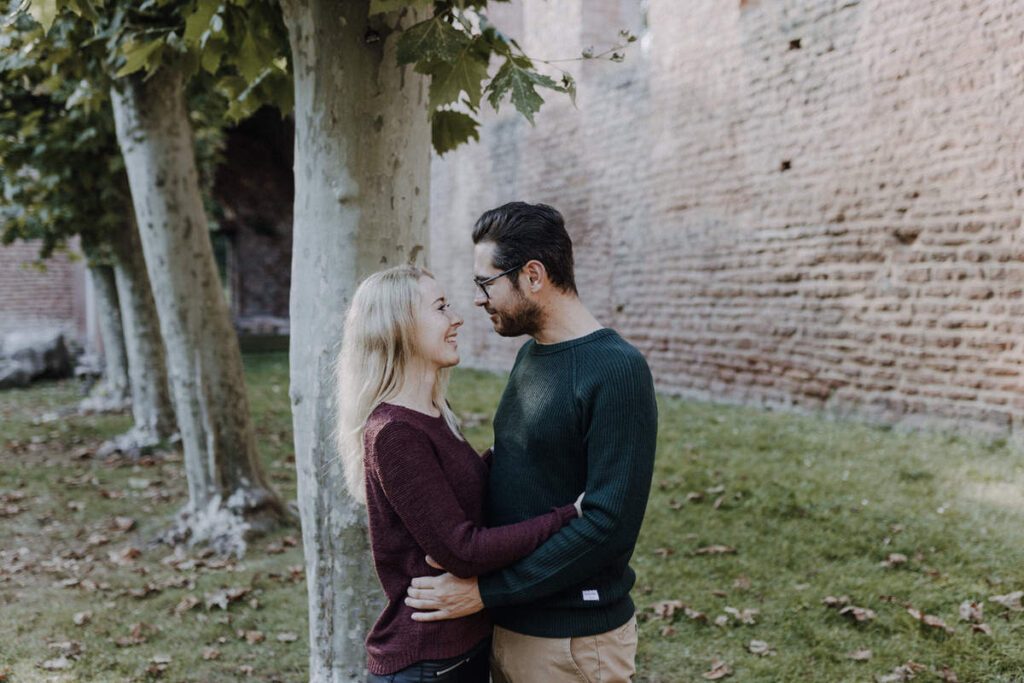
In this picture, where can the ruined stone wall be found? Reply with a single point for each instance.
(804, 204)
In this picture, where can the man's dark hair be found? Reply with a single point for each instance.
(524, 232)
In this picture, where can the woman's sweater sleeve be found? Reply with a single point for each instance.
(405, 464)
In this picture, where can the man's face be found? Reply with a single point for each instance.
(512, 313)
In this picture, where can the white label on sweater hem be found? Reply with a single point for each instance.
(590, 596)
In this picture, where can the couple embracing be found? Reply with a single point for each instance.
(514, 563)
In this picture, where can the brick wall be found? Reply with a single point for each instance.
(807, 205)
(34, 299)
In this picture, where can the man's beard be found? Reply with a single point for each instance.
(526, 318)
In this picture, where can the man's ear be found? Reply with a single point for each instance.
(536, 275)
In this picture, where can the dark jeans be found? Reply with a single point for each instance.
(470, 667)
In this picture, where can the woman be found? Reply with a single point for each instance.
(422, 483)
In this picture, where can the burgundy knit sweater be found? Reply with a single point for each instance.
(425, 496)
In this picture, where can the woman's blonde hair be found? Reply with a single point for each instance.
(377, 348)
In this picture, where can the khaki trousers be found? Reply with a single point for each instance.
(605, 658)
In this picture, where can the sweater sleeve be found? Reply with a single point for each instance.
(621, 418)
(415, 485)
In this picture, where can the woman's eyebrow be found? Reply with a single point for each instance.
(440, 298)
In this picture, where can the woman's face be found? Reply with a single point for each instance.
(436, 326)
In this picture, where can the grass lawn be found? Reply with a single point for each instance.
(750, 511)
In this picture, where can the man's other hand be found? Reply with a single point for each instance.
(444, 597)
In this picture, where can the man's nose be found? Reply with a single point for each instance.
(479, 299)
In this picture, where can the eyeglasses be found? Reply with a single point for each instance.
(482, 284)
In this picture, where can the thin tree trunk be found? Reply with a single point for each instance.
(147, 370)
(362, 173)
(225, 480)
(111, 394)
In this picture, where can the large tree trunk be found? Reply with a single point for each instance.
(229, 497)
(147, 370)
(111, 393)
(362, 173)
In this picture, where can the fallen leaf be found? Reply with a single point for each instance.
(760, 648)
(832, 601)
(715, 550)
(58, 664)
(666, 609)
(664, 552)
(76, 505)
(948, 675)
(861, 655)
(287, 637)
(210, 653)
(253, 637)
(122, 524)
(245, 670)
(82, 618)
(744, 616)
(893, 560)
(742, 583)
(982, 628)
(290, 541)
(721, 620)
(930, 620)
(719, 670)
(719, 593)
(904, 672)
(667, 631)
(225, 596)
(972, 611)
(185, 604)
(1011, 601)
(859, 614)
(695, 615)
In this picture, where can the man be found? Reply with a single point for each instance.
(578, 414)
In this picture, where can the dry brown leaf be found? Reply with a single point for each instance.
(695, 615)
(122, 524)
(744, 616)
(721, 620)
(694, 496)
(834, 602)
(760, 648)
(715, 550)
(719, 670)
(893, 560)
(664, 552)
(859, 614)
(861, 655)
(254, 637)
(225, 596)
(742, 583)
(1011, 601)
(904, 672)
(666, 609)
(245, 670)
(930, 620)
(719, 594)
(82, 618)
(287, 637)
(972, 611)
(290, 541)
(982, 628)
(57, 664)
(186, 603)
(948, 675)
(210, 653)
(667, 631)
(674, 504)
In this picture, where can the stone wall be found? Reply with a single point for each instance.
(32, 299)
(801, 204)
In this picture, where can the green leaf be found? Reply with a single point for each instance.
(198, 22)
(250, 60)
(44, 12)
(137, 56)
(465, 74)
(212, 55)
(431, 40)
(520, 82)
(382, 6)
(449, 129)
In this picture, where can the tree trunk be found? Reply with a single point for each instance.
(147, 370)
(362, 173)
(229, 498)
(111, 394)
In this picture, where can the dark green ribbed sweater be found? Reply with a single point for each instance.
(576, 416)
